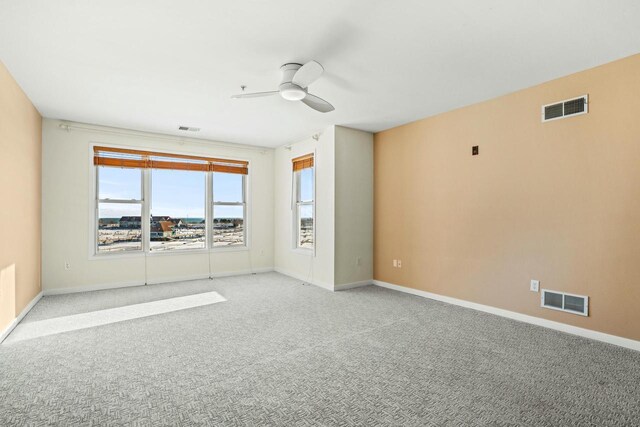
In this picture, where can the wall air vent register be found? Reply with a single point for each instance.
(575, 304)
(567, 108)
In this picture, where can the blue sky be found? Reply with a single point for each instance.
(306, 184)
(175, 193)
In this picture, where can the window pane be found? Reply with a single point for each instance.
(305, 232)
(227, 187)
(228, 225)
(177, 210)
(306, 185)
(119, 183)
(119, 227)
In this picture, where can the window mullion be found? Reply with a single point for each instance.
(146, 210)
(96, 213)
(245, 223)
(208, 222)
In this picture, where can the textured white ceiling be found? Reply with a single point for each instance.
(153, 65)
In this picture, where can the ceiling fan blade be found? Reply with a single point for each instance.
(255, 95)
(307, 74)
(317, 104)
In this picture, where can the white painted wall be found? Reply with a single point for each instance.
(66, 213)
(319, 268)
(344, 212)
(344, 209)
(353, 206)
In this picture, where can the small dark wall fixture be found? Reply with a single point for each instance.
(475, 150)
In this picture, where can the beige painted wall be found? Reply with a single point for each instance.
(353, 206)
(20, 170)
(556, 201)
(67, 213)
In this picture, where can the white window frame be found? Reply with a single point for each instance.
(296, 205)
(99, 201)
(245, 225)
(146, 213)
(149, 185)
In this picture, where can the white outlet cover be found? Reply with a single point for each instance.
(535, 286)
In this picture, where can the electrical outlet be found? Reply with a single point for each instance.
(395, 262)
(534, 286)
(358, 261)
(67, 265)
(399, 264)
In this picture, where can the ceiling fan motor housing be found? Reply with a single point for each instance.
(296, 79)
(288, 90)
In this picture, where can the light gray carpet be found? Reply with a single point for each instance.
(281, 353)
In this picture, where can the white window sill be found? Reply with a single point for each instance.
(177, 252)
(140, 254)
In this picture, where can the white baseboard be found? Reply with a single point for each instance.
(345, 286)
(574, 330)
(322, 285)
(104, 286)
(243, 272)
(177, 279)
(89, 288)
(5, 333)
(206, 276)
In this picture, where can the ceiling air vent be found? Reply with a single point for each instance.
(575, 304)
(188, 128)
(562, 109)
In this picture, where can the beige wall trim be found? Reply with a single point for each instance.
(562, 327)
(5, 333)
(104, 286)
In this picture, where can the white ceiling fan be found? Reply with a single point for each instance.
(295, 81)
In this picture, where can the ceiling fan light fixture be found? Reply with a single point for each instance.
(292, 92)
(294, 86)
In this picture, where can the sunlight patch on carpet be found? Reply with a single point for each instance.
(57, 325)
